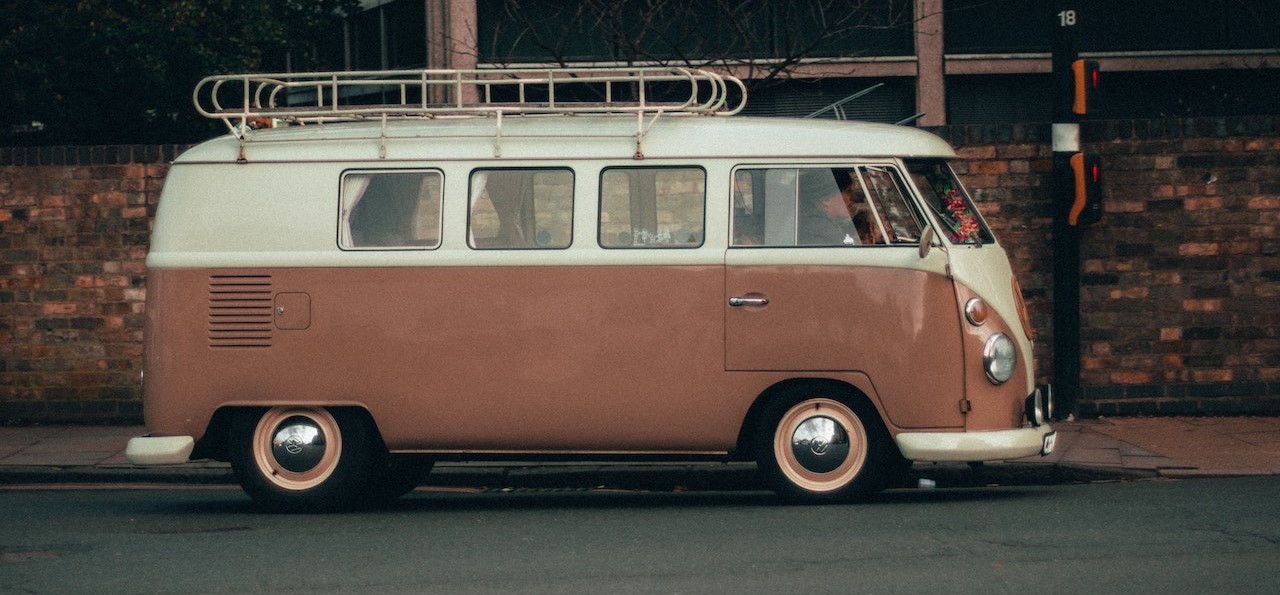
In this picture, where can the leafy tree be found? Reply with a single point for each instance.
(122, 71)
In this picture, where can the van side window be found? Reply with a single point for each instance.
(521, 209)
(390, 210)
(843, 206)
(894, 220)
(648, 207)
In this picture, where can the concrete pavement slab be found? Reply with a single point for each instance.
(1210, 446)
(1093, 457)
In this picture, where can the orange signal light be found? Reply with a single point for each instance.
(1084, 79)
(1086, 177)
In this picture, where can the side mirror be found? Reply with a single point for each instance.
(926, 241)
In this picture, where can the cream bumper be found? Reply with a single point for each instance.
(997, 445)
(159, 450)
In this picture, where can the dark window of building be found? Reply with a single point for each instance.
(1145, 25)
(391, 35)
(882, 28)
(1192, 93)
(891, 102)
(406, 33)
(540, 31)
(1005, 26)
(555, 30)
(991, 99)
(365, 32)
(997, 26)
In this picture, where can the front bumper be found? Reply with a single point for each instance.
(159, 450)
(996, 445)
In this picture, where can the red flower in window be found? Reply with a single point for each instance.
(964, 225)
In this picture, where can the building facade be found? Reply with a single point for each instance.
(942, 61)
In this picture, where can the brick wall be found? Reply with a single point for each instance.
(1180, 281)
(74, 227)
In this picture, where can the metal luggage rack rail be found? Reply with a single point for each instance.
(243, 101)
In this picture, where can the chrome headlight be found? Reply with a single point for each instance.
(999, 358)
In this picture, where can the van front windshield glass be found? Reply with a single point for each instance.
(948, 201)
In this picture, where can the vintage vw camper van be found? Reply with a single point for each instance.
(399, 268)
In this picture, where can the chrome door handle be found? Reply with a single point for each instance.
(738, 302)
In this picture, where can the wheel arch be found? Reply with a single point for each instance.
(216, 442)
(792, 387)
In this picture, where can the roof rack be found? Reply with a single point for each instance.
(239, 99)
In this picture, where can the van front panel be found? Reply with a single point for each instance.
(897, 325)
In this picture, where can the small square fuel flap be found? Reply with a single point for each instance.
(293, 311)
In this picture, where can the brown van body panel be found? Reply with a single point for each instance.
(553, 359)
(445, 358)
(898, 325)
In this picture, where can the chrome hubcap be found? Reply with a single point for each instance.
(298, 444)
(820, 444)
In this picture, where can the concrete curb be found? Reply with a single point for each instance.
(649, 477)
(1099, 450)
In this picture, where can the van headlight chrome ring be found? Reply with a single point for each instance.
(975, 310)
(999, 358)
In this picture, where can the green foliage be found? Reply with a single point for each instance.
(122, 71)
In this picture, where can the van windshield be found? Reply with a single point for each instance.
(947, 199)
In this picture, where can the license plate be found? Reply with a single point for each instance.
(1049, 440)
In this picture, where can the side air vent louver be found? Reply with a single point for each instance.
(240, 311)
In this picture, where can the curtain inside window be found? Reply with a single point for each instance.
(353, 187)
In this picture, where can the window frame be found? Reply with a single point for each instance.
(600, 210)
(471, 203)
(345, 237)
(857, 169)
(899, 177)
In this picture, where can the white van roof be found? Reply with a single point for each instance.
(560, 137)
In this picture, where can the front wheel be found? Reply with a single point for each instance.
(819, 449)
(303, 459)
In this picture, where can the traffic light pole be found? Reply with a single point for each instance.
(1066, 237)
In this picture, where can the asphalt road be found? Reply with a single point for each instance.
(1193, 536)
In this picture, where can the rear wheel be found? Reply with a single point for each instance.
(817, 449)
(303, 459)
